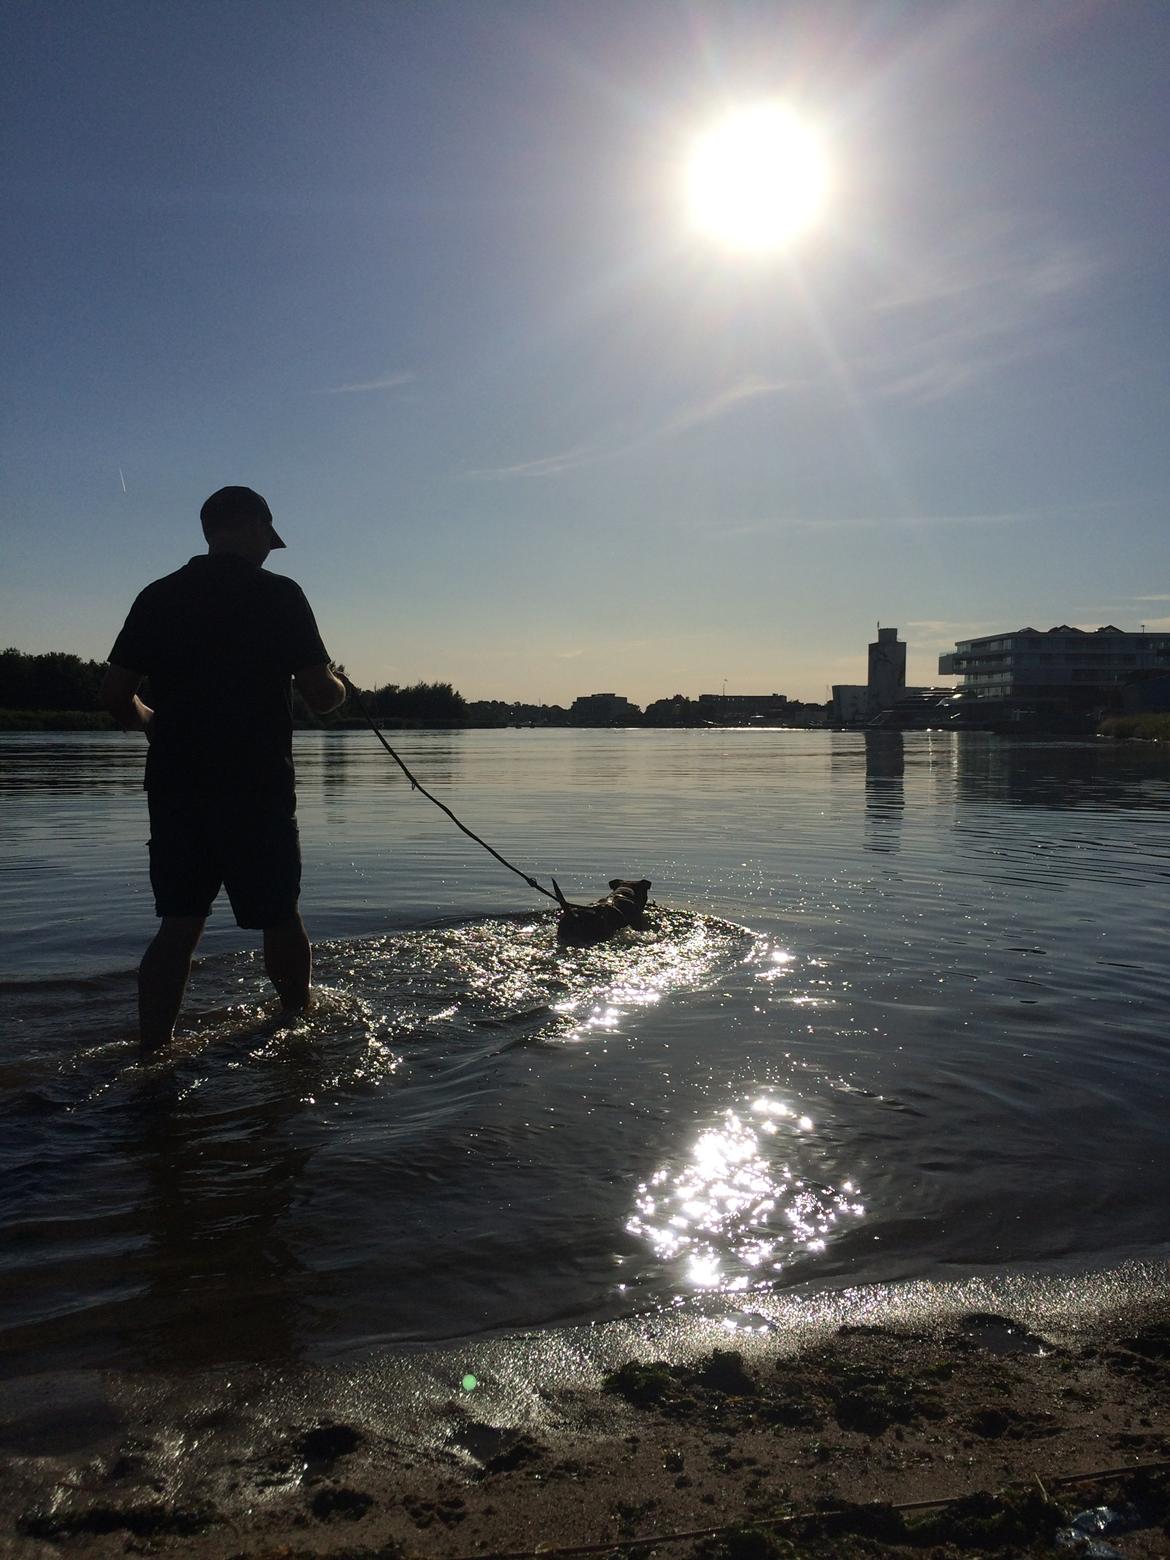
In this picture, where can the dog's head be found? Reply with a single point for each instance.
(631, 892)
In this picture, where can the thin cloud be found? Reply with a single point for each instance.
(692, 415)
(716, 406)
(958, 361)
(937, 632)
(993, 264)
(542, 466)
(940, 631)
(989, 297)
(830, 523)
(388, 382)
(997, 517)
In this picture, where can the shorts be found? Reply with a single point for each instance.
(201, 842)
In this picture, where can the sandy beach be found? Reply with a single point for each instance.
(789, 1430)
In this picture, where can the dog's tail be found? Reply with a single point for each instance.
(568, 908)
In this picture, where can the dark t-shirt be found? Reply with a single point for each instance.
(219, 640)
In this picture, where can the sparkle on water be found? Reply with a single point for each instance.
(741, 1205)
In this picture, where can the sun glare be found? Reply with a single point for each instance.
(758, 179)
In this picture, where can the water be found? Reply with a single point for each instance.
(900, 1014)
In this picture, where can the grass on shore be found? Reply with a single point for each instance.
(1148, 728)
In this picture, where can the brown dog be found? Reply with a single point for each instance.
(582, 925)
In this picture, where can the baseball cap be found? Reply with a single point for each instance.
(229, 507)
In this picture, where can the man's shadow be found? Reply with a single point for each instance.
(220, 1279)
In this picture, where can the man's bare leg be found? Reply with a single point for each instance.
(162, 978)
(288, 958)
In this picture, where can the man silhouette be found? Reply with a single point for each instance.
(220, 641)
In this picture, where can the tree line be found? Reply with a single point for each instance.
(53, 681)
(57, 684)
(431, 704)
(58, 689)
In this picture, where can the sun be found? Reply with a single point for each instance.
(758, 179)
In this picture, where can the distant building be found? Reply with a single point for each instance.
(887, 668)
(1056, 665)
(603, 709)
(922, 709)
(854, 704)
(730, 708)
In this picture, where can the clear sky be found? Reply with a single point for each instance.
(423, 273)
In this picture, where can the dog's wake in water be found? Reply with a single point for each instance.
(510, 975)
(384, 1006)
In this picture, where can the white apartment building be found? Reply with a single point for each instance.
(1054, 663)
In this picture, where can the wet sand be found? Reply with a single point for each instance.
(784, 1419)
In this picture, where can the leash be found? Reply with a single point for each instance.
(415, 785)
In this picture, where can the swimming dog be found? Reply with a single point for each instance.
(582, 925)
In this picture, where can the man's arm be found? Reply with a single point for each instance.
(319, 688)
(119, 695)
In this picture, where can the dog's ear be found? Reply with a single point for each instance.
(644, 883)
(616, 883)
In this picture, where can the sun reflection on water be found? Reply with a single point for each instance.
(741, 1207)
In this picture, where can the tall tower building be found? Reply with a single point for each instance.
(887, 669)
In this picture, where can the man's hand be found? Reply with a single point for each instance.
(320, 689)
(119, 695)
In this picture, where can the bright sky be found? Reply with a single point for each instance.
(430, 277)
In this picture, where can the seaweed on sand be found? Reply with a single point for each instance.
(801, 1393)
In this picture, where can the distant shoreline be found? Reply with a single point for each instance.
(1123, 728)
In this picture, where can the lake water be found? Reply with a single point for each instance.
(901, 1012)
